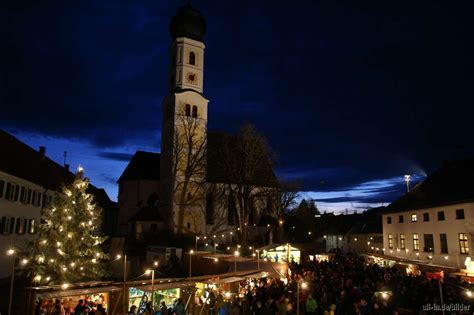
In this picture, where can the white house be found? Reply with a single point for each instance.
(28, 181)
(434, 223)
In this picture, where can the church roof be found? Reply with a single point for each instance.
(20, 160)
(146, 165)
(142, 166)
(452, 183)
(188, 22)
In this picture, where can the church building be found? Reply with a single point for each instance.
(186, 188)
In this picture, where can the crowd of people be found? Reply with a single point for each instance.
(343, 285)
(66, 307)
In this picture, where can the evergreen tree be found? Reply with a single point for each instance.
(68, 248)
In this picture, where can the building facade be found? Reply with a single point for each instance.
(434, 223)
(28, 182)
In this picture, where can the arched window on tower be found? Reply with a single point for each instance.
(192, 58)
(188, 110)
(195, 111)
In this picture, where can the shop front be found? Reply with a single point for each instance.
(93, 296)
(280, 253)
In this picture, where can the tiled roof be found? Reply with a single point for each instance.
(452, 183)
(146, 165)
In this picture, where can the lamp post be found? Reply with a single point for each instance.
(124, 300)
(258, 259)
(215, 248)
(407, 179)
(303, 285)
(197, 239)
(236, 254)
(191, 252)
(11, 252)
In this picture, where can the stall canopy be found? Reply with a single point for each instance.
(280, 253)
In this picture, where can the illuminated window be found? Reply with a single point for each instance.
(414, 218)
(402, 241)
(463, 248)
(416, 242)
(390, 240)
(192, 58)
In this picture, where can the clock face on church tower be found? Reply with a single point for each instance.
(191, 78)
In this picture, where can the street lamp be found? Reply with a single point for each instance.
(258, 259)
(407, 179)
(303, 286)
(197, 239)
(236, 254)
(124, 300)
(191, 252)
(11, 252)
(152, 272)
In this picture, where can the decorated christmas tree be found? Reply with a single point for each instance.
(68, 248)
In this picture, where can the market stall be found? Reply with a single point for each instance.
(280, 253)
(92, 294)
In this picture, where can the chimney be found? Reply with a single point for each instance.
(42, 151)
(66, 166)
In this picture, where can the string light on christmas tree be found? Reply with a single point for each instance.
(64, 242)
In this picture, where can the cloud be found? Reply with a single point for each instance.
(117, 156)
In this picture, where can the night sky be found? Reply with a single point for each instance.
(350, 94)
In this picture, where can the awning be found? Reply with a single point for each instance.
(75, 292)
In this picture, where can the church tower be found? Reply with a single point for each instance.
(184, 129)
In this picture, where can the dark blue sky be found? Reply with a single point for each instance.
(350, 94)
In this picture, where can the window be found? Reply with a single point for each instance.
(192, 58)
(414, 218)
(440, 215)
(33, 198)
(38, 202)
(428, 242)
(209, 208)
(4, 225)
(153, 227)
(402, 241)
(189, 225)
(28, 199)
(460, 214)
(188, 110)
(443, 243)
(195, 111)
(463, 248)
(23, 194)
(8, 191)
(390, 240)
(19, 226)
(2, 186)
(11, 228)
(426, 217)
(400, 219)
(17, 193)
(416, 242)
(389, 220)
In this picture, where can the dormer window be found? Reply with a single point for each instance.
(188, 110)
(192, 58)
(195, 111)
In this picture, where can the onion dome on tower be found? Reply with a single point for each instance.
(189, 23)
